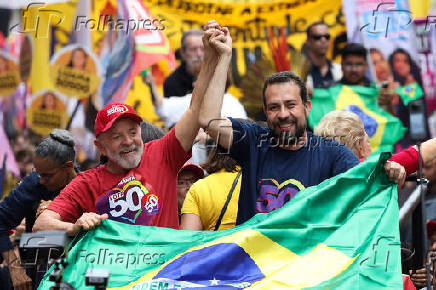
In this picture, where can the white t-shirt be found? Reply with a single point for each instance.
(172, 109)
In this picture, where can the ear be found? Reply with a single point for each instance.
(359, 149)
(100, 146)
(182, 53)
(69, 164)
(307, 107)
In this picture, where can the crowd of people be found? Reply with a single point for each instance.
(214, 168)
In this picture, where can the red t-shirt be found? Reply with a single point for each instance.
(146, 195)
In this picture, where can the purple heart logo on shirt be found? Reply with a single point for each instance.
(273, 195)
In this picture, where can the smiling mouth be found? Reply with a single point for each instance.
(127, 152)
(286, 126)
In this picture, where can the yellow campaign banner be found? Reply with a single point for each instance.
(139, 98)
(420, 9)
(9, 74)
(39, 19)
(248, 22)
(47, 111)
(74, 71)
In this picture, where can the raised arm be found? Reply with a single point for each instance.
(187, 127)
(210, 113)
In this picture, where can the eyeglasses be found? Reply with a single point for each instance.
(350, 66)
(317, 37)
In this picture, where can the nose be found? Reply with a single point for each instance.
(283, 113)
(189, 183)
(199, 52)
(128, 140)
(44, 180)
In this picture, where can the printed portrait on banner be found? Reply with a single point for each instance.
(74, 71)
(9, 75)
(46, 111)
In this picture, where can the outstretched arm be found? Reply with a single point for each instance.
(187, 127)
(406, 162)
(210, 114)
(51, 220)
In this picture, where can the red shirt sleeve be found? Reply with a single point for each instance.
(408, 159)
(172, 151)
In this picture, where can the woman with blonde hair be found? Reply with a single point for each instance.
(346, 128)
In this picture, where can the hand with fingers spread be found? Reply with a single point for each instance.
(396, 173)
(88, 221)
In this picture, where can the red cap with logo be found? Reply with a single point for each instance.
(107, 116)
(188, 166)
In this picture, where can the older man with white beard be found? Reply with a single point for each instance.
(135, 185)
(138, 183)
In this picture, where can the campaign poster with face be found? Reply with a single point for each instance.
(46, 111)
(74, 71)
(9, 75)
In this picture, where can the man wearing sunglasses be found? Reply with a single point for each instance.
(323, 73)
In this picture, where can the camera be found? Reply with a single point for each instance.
(97, 278)
(40, 247)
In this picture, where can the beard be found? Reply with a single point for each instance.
(127, 162)
(193, 65)
(288, 138)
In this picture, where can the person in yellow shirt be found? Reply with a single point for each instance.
(212, 202)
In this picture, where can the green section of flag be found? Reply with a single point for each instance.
(383, 129)
(409, 93)
(341, 234)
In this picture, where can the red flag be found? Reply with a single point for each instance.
(151, 45)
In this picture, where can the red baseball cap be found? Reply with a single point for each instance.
(192, 167)
(107, 116)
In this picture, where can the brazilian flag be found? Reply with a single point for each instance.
(341, 234)
(383, 129)
(409, 93)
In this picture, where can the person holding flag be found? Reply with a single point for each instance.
(137, 185)
(355, 93)
(278, 161)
